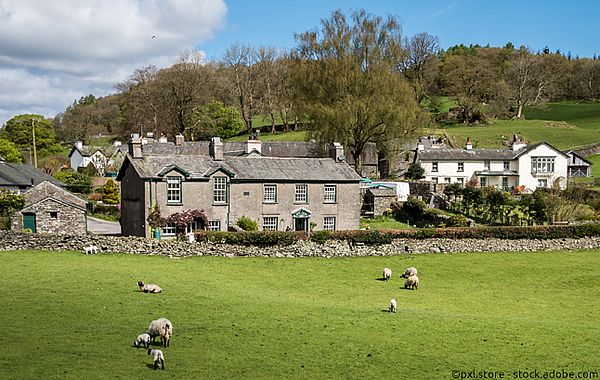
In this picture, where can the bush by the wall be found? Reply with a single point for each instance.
(247, 224)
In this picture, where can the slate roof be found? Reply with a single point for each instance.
(12, 174)
(46, 190)
(107, 151)
(442, 154)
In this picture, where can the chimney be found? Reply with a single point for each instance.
(179, 139)
(116, 143)
(135, 146)
(420, 146)
(216, 148)
(469, 144)
(162, 139)
(79, 144)
(336, 152)
(517, 143)
(253, 145)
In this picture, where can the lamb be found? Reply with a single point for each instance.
(165, 335)
(412, 283)
(142, 339)
(149, 288)
(393, 305)
(158, 357)
(157, 325)
(412, 271)
(90, 250)
(387, 273)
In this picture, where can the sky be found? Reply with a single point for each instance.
(55, 52)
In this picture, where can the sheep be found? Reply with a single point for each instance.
(158, 357)
(143, 339)
(149, 288)
(412, 271)
(412, 283)
(393, 305)
(157, 325)
(387, 273)
(165, 335)
(90, 250)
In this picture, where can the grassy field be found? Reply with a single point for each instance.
(69, 316)
(277, 136)
(383, 223)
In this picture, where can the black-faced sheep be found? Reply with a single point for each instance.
(158, 357)
(142, 339)
(412, 283)
(149, 288)
(412, 271)
(393, 306)
(157, 326)
(165, 335)
(387, 273)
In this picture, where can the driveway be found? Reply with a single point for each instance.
(103, 227)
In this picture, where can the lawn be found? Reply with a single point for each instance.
(383, 223)
(69, 316)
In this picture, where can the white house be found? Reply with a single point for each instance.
(101, 157)
(522, 167)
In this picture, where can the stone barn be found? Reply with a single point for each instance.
(377, 200)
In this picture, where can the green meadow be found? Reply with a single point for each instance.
(69, 316)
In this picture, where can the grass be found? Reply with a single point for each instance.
(595, 160)
(70, 316)
(277, 136)
(383, 223)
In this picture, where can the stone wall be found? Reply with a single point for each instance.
(175, 248)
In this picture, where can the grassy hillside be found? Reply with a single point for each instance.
(69, 316)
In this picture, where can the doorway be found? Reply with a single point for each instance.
(29, 222)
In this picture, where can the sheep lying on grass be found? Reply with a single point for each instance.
(157, 326)
(149, 288)
(393, 306)
(412, 271)
(387, 273)
(90, 250)
(142, 339)
(158, 357)
(412, 283)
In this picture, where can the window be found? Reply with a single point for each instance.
(169, 229)
(447, 179)
(301, 195)
(270, 223)
(461, 167)
(220, 189)
(53, 214)
(434, 167)
(214, 225)
(270, 194)
(542, 182)
(329, 223)
(505, 183)
(173, 190)
(330, 194)
(193, 226)
(542, 164)
(460, 180)
(434, 179)
(506, 165)
(486, 165)
(482, 181)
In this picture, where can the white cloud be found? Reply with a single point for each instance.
(53, 52)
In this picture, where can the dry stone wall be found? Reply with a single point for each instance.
(176, 248)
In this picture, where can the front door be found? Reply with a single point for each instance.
(29, 222)
(301, 224)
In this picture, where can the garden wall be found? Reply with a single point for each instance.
(302, 248)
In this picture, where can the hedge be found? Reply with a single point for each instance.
(376, 237)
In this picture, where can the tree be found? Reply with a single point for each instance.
(10, 202)
(75, 182)
(19, 131)
(110, 192)
(9, 151)
(214, 119)
(419, 65)
(347, 84)
(415, 171)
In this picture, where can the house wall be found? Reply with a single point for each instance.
(449, 169)
(76, 160)
(69, 220)
(133, 203)
(530, 180)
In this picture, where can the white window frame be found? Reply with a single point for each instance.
(301, 193)
(542, 182)
(434, 179)
(482, 182)
(507, 165)
(329, 223)
(434, 167)
(169, 229)
(505, 184)
(214, 225)
(461, 167)
(193, 226)
(447, 180)
(460, 180)
(486, 164)
(542, 164)
(220, 190)
(270, 193)
(174, 190)
(270, 223)
(329, 194)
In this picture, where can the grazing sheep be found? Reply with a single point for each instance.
(393, 305)
(165, 335)
(149, 288)
(143, 339)
(158, 357)
(412, 283)
(90, 250)
(157, 325)
(387, 273)
(412, 271)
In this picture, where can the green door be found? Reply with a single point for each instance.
(29, 222)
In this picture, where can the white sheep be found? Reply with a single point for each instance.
(90, 250)
(387, 273)
(393, 305)
(165, 335)
(412, 283)
(158, 357)
(157, 325)
(149, 288)
(142, 339)
(412, 271)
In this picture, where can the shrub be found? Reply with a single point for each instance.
(110, 192)
(457, 221)
(247, 224)
(75, 182)
(415, 171)
(320, 236)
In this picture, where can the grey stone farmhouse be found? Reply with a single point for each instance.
(279, 193)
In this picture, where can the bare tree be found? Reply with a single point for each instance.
(419, 63)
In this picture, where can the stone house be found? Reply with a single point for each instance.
(279, 193)
(524, 167)
(51, 209)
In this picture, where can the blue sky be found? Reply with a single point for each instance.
(54, 52)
